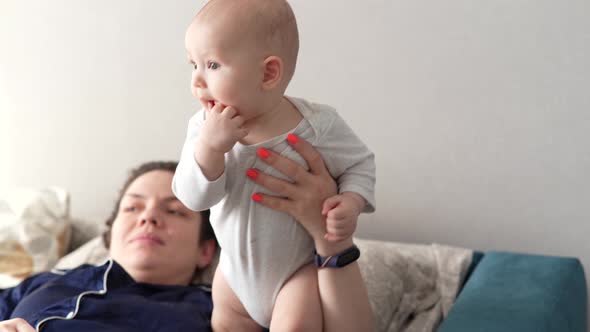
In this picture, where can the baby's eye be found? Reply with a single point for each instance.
(193, 64)
(212, 65)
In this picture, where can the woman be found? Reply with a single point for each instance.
(157, 245)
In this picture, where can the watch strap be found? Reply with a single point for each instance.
(338, 260)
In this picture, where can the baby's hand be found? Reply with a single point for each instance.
(341, 213)
(222, 128)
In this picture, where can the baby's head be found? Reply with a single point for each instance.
(243, 52)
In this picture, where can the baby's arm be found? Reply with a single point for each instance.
(220, 131)
(199, 180)
(352, 164)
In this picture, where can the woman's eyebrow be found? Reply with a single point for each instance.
(140, 196)
(171, 198)
(135, 195)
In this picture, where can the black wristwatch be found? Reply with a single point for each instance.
(339, 260)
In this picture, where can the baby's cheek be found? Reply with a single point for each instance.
(226, 92)
(194, 92)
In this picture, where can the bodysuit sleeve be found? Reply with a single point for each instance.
(189, 184)
(349, 160)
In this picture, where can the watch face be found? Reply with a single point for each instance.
(349, 256)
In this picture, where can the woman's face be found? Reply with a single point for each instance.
(154, 237)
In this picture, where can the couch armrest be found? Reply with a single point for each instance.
(518, 292)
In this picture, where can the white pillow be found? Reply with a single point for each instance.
(411, 287)
(34, 231)
(92, 252)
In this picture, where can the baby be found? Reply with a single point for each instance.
(243, 55)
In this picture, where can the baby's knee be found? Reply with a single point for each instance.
(217, 324)
(223, 320)
(300, 325)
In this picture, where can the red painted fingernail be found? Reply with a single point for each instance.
(252, 174)
(263, 153)
(256, 197)
(292, 138)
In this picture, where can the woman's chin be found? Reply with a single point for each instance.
(140, 256)
(143, 261)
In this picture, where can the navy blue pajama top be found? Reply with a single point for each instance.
(105, 298)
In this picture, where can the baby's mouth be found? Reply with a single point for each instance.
(207, 103)
(211, 103)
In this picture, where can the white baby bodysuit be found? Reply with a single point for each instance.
(261, 247)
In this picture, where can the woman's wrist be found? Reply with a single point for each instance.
(327, 248)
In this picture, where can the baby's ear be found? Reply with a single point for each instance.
(273, 72)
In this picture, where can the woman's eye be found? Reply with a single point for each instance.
(213, 65)
(175, 212)
(129, 209)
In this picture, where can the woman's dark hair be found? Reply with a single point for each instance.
(168, 166)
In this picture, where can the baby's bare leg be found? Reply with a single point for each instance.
(298, 306)
(228, 312)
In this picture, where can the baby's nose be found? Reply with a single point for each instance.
(199, 80)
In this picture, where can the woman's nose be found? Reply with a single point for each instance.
(150, 215)
(152, 221)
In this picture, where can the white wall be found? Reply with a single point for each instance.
(478, 112)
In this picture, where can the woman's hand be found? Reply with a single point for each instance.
(345, 303)
(303, 198)
(16, 325)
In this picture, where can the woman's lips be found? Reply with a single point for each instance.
(149, 238)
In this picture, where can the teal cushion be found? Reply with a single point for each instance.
(517, 292)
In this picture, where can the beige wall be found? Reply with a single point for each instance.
(478, 112)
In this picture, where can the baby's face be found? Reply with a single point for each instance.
(226, 70)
